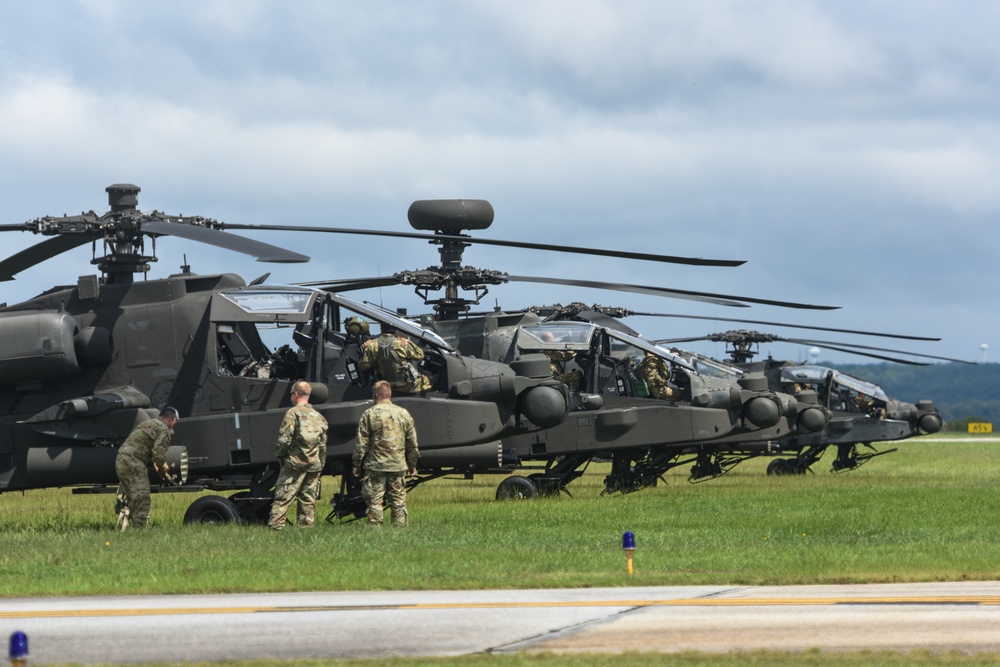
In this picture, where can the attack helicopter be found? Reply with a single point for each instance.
(612, 416)
(861, 413)
(81, 365)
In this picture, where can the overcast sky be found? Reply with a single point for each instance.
(849, 150)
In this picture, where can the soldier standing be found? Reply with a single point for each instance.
(301, 451)
(146, 445)
(653, 370)
(386, 450)
(393, 356)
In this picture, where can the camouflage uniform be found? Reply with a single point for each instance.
(386, 449)
(574, 378)
(146, 444)
(868, 406)
(393, 360)
(654, 371)
(301, 450)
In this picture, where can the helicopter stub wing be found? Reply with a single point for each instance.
(122, 397)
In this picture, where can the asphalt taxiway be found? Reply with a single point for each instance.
(961, 616)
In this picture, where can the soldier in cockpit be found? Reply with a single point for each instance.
(393, 358)
(573, 379)
(653, 370)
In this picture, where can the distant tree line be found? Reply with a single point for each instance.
(963, 393)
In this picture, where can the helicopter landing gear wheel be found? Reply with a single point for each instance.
(212, 509)
(516, 488)
(780, 467)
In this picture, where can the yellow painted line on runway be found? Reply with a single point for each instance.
(683, 602)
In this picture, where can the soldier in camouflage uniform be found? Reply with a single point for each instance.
(393, 357)
(146, 445)
(654, 371)
(301, 451)
(557, 360)
(386, 450)
(869, 406)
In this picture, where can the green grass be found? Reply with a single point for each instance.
(925, 513)
(921, 514)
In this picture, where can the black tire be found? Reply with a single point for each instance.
(780, 467)
(212, 509)
(516, 488)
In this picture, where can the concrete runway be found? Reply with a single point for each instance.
(961, 616)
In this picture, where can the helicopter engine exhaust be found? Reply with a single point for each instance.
(47, 347)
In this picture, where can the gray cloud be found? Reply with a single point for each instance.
(847, 150)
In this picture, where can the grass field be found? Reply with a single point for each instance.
(924, 513)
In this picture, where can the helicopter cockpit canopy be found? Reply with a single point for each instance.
(647, 346)
(556, 336)
(579, 337)
(374, 313)
(293, 305)
(264, 304)
(818, 375)
(709, 366)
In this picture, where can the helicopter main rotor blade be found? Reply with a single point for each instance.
(689, 339)
(826, 343)
(638, 289)
(264, 252)
(782, 324)
(40, 252)
(849, 348)
(708, 297)
(350, 284)
(876, 356)
(602, 320)
(621, 254)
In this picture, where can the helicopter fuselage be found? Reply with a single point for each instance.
(80, 366)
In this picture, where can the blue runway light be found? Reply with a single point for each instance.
(628, 540)
(628, 546)
(18, 648)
